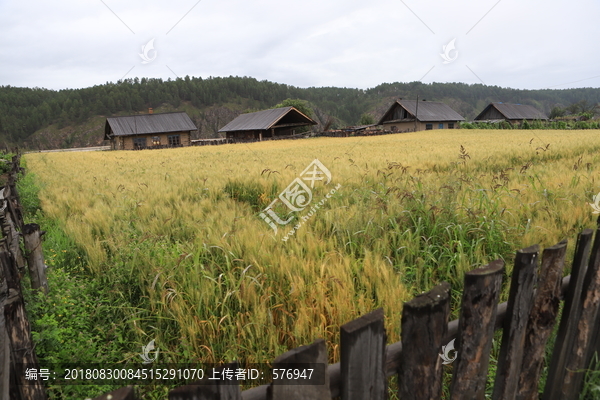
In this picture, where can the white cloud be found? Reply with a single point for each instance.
(336, 43)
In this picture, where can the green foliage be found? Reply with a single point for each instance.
(300, 105)
(366, 119)
(591, 387)
(557, 112)
(5, 162)
(28, 193)
(80, 320)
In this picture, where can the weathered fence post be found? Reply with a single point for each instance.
(541, 319)
(32, 236)
(362, 360)
(9, 228)
(580, 354)
(19, 334)
(211, 389)
(424, 327)
(476, 331)
(313, 353)
(567, 329)
(4, 342)
(520, 301)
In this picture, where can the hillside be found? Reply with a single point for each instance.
(40, 118)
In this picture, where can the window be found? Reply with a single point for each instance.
(428, 127)
(450, 125)
(156, 141)
(174, 140)
(139, 143)
(441, 126)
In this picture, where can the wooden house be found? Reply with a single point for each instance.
(135, 132)
(284, 121)
(513, 113)
(411, 116)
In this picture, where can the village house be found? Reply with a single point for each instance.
(513, 113)
(412, 116)
(285, 121)
(136, 132)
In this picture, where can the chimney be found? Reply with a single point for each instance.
(150, 111)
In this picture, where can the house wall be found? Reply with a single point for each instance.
(126, 142)
(491, 113)
(421, 126)
(247, 135)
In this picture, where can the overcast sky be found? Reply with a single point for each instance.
(532, 44)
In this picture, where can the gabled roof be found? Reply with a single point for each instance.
(428, 111)
(514, 111)
(147, 124)
(267, 119)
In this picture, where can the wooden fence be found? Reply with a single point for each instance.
(527, 321)
(16, 345)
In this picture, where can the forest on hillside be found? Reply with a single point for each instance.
(216, 100)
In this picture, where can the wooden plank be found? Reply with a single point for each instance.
(32, 236)
(520, 301)
(211, 389)
(12, 237)
(393, 354)
(476, 331)
(13, 203)
(424, 326)
(313, 353)
(567, 330)
(580, 354)
(541, 319)
(19, 333)
(124, 393)
(4, 343)
(595, 339)
(362, 361)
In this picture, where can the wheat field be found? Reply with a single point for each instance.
(177, 232)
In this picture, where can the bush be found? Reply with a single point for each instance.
(28, 193)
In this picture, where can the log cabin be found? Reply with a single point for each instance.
(513, 113)
(412, 116)
(285, 121)
(147, 131)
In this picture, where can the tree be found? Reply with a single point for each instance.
(366, 119)
(557, 112)
(300, 105)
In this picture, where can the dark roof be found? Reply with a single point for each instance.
(428, 111)
(514, 111)
(267, 119)
(148, 124)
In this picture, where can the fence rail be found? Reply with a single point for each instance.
(527, 320)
